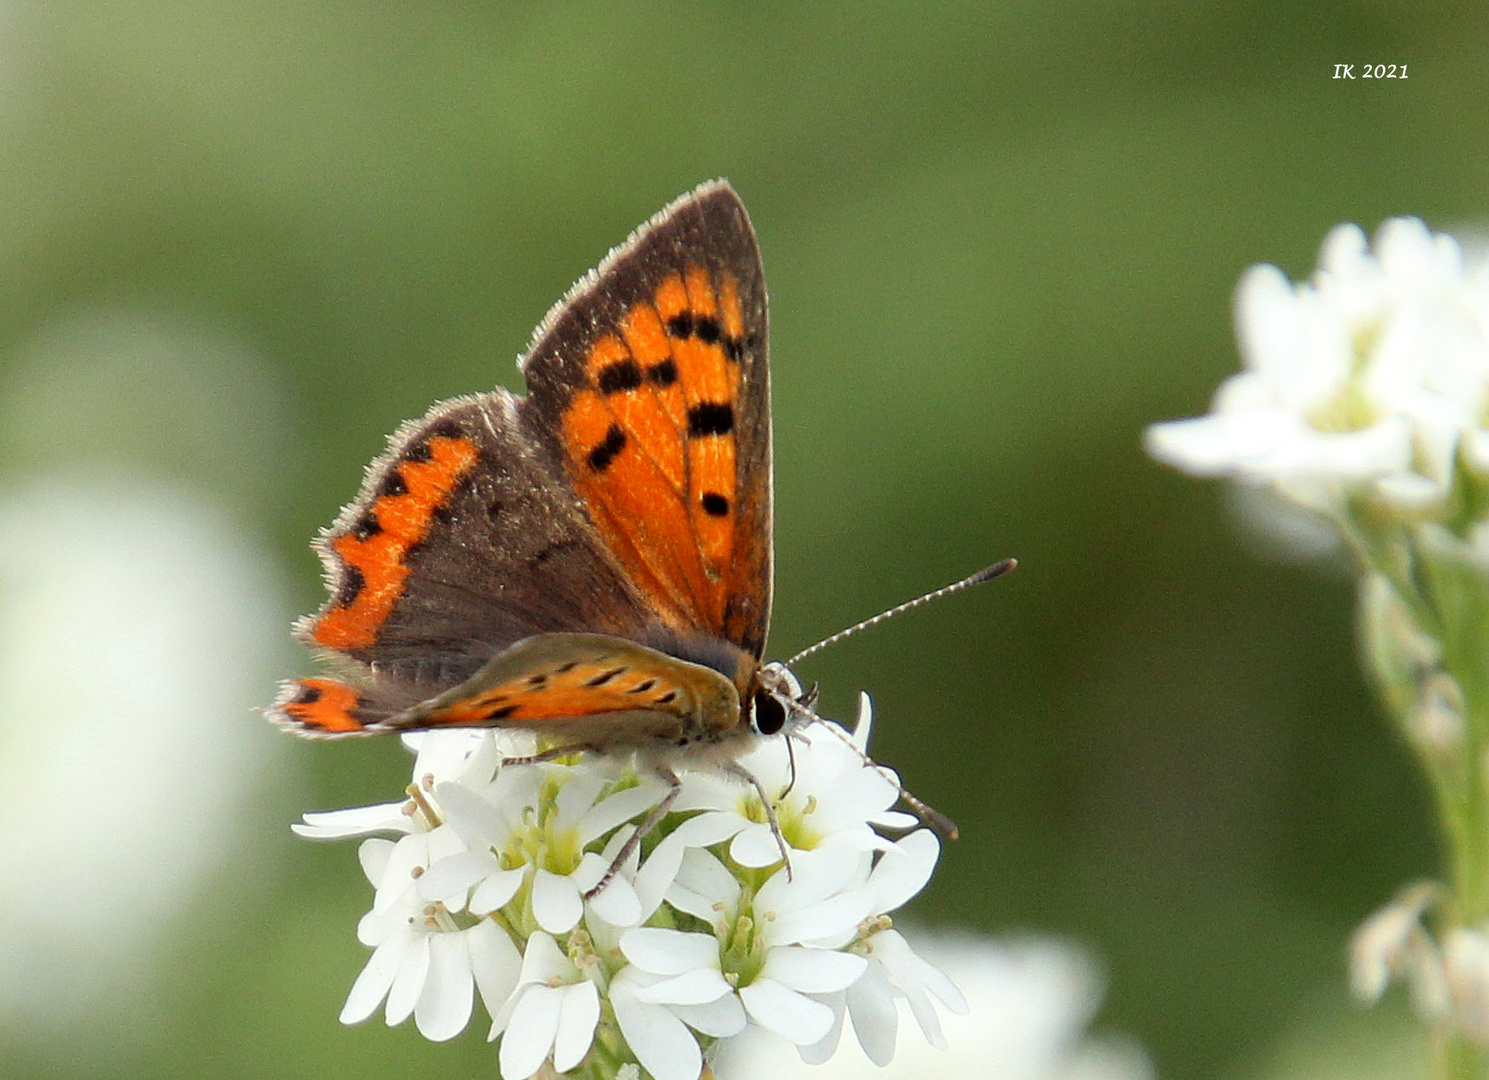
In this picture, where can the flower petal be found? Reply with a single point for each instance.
(495, 963)
(374, 855)
(755, 846)
(660, 1041)
(697, 987)
(833, 921)
(354, 821)
(577, 796)
(556, 902)
(793, 1016)
(669, 952)
(903, 869)
(876, 1021)
(813, 971)
(476, 820)
(408, 982)
(455, 873)
(444, 1006)
(529, 1033)
(496, 891)
(615, 810)
(577, 1017)
(723, 1019)
(375, 979)
(616, 903)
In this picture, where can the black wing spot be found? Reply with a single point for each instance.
(714, 504)
(445, 429)
(710, 418)
(307, 695)
(668, 698)
(681, 325)
(349, 586)
(418, 450)
(662, 374)
(604, 453)
(567, 665)
(642, 687)
(618, 377)
(393, 485)
(706, 329)
(366, 526)
(734, 348)
(501, 712)
(605, 676)
(537, 680)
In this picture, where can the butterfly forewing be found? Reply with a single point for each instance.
(650, 383)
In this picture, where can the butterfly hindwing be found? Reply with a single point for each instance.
(463, 540)
(650, 383)
(581, 690)
(589, 689)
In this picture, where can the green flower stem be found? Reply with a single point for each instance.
(1426, 633)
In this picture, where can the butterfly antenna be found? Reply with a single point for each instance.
(997, 570)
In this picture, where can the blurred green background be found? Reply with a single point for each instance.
(241, 241)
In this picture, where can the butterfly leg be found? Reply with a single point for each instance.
(547, 755)
(658, 812)
(733, 768)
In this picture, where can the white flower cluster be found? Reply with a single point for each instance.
(1369, 382)
(1447, 974)
(700, 936)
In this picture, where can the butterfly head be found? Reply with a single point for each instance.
(777, 702)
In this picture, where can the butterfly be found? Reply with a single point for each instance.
(591, 562)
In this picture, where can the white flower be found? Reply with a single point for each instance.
(825, 792)
(424, 961)
(552, 1012)
(465, 756)
(1367, 380)
(531, 826)
(894, 970)
(673, 983)
(1030, 1002)
(779, 945)
(485, 886)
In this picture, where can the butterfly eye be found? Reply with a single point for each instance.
(770, 714)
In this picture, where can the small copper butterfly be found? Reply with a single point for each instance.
(592, 561)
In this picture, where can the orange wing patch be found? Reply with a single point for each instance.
(651, 442)
(319, 707)
(572, 690)
(373, 553)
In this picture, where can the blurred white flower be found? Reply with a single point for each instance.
(1394, 943)
(136, 631)
(1029, 1004)
(1369, 379)
(1447, 973)
(699, 935)
(1466, 964)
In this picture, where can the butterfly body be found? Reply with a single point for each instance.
(591, 562)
